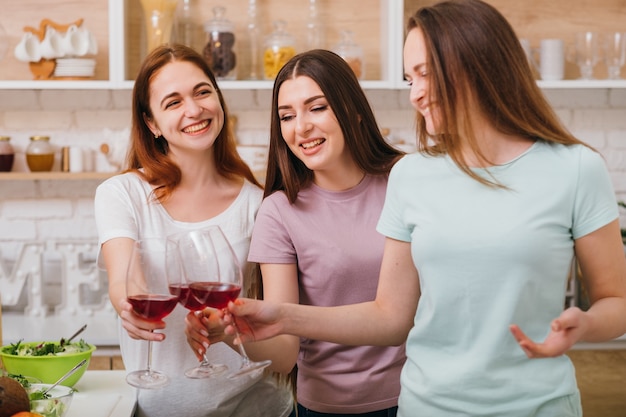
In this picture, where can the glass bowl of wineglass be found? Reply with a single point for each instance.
(223, 283)
(148, 292)
(194, 248)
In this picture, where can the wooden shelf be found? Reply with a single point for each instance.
(54, 176)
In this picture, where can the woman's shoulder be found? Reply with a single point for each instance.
(126, 179)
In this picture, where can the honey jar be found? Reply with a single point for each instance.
(279, 48)
(40, 154)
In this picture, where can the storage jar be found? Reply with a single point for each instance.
(219, 51)
(7, 154)
(40, 154)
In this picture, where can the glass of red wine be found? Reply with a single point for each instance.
(147, 291)
(193, 247)
(223, 283)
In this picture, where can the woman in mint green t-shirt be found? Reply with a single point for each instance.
(482, 225)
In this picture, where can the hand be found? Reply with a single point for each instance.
(565, 331)
(203, 328)
(255, 319)
(137, 327)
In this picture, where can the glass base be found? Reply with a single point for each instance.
(206, 371)
(248, 368)
(147, 379)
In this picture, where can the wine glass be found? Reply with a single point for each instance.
(225, 281)
(147, 291)
(194, 255)
(615, 54)
(588, 53)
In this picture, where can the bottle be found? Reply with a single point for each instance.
(352, 53)
(7, 154)
(219, 51)
(39, 154)
(187, 30)
(253, 37)
(315, 38)
(279, 48)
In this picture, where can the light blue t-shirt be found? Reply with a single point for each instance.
(488, 258)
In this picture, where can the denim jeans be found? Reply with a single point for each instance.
(305, 412)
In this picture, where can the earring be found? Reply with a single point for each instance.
(156, 135)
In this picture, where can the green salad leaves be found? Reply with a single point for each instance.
(46, 348)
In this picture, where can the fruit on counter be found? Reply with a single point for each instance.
(13, 398)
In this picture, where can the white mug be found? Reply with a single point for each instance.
(552, 59)
(76, 41)
(28, 49)
(52, 44)
(93, 44)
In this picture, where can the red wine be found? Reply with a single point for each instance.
(152, 307)
(215, 294)
(185, 297)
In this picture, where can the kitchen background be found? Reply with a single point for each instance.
(48, 278)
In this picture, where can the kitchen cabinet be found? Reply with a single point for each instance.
(378, 26)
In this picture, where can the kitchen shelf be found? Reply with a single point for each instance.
(379, 26)
(56, 175)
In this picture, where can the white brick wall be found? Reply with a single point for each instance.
(40, 210)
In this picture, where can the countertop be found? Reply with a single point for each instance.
(103, 394)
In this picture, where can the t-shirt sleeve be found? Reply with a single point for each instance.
(595, 203)
(392, 222)
(271, 241)
(113, 212)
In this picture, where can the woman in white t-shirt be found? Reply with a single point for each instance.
(184, 173)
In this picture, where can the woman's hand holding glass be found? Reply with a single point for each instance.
(149, 269)
(195, 249)
(222, 283)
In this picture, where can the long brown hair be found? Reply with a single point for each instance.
(474, 56)
(348, 101)
(150, 153)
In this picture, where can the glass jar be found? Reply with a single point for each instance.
(40, 154)
(279, 48)
(351, 52)
(7, 154)
(219, 51)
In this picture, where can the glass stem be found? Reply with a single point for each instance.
(205, 361)
(242, 352)
(149, 366)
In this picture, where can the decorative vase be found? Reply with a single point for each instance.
(159, 18)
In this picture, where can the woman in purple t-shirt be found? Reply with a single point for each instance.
(315, 234)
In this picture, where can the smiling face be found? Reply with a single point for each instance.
(417, 73)
(309, 126)
(185, 107)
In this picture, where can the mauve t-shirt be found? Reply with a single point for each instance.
(332, 237)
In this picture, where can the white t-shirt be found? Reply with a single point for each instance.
(488, 258)
(124, 208)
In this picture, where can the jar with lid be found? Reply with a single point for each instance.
(279, 48)
(219, 51)
(7, 154)
(351, 52)
(40, 154)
